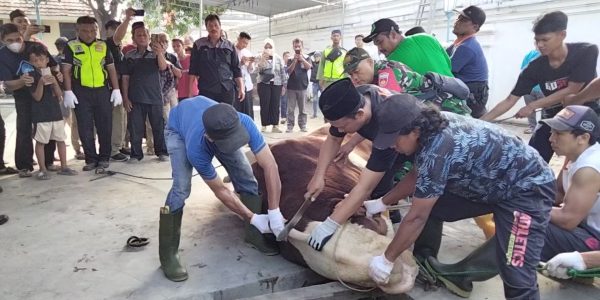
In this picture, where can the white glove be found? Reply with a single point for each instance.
(322, 233)
(115, 97)
(380, 269)
(561, 263)
(374, 206)
(276, 221)
(69, 99)
(261, 222)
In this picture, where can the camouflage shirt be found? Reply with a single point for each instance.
(405, 80)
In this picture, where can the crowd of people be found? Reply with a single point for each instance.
(424, 108)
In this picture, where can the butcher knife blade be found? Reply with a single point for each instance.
(282, 236)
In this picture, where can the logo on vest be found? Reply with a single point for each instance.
(78, 49)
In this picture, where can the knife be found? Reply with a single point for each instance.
(282, 236)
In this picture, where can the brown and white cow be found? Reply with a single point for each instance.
(346, 257)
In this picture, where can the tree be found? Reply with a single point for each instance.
(175, 17)
(104, 11)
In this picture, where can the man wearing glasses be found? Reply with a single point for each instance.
(468, 61)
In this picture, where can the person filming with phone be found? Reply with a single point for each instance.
(297, 68)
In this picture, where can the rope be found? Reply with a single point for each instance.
(337, 274)
(107, 173)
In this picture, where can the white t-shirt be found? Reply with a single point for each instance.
(589, 158)
(245, 73)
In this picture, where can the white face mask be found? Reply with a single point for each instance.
(14, 47)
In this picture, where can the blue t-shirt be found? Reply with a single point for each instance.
(468, 61)
(478, 160)
(533, 54)
(186, 120)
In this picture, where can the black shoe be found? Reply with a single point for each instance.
(119, 157)
(89, 167)
(103, 164)
(125, 151)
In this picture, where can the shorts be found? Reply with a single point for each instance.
(43, 132)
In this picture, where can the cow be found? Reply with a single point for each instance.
(347, 256)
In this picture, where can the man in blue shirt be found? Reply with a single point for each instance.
(198, 130)
(468, 61)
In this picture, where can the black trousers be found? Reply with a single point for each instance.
(477, 98)
(137, 128)
(269, 95)
(24, 142)
(245, 106)
(2, 141)
(94, 109)
(222, 97)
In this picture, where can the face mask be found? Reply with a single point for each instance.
(14, 47)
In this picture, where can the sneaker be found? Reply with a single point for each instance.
(24, 173)
(289, 130)
(133, 160)
(276, 129)
(53, 168)
(79, 156)
(163, 157)
(103, 164)
(89, 167)
(119, 157)
(150, 152)
(125, 151)
(282, 121)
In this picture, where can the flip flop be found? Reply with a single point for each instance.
(42, 175)
(134, 241)
(3, 219)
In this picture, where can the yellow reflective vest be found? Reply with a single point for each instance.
(335, 69)
(88, 63)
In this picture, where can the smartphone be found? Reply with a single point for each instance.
(153, 38)
(139, 12)
(46, 28)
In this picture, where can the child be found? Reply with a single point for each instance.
(45, 111)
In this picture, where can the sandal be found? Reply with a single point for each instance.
(67, 171)
(42, 175)
(134, 241)
(8, 171)
(53, 168)
(3, 219)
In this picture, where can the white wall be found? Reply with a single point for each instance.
(506, 36)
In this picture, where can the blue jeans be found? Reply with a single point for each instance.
(316, 89)
(235, 163)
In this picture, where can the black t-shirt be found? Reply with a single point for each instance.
(579, 66)
(379, 160)
(298, 80)
(115, 51)
(47, 109)
(144, 77)
(13, 65)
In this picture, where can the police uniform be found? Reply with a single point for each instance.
(90, 86)
(216, 68)
(331, 67)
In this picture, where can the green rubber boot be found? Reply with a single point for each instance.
(458, 278)
(429, 241)
(169, 233)
(253, 237)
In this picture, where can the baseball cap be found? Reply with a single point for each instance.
(473, 13)
(575, 117)
(222, 124)
(353, 58)
(336, 31)
(394, 115)
(340, 99)
(381, 25)
(61, 41)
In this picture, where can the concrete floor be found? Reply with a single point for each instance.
(66, 240)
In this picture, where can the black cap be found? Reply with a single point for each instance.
(222, 125)
(353, 58)
(340, 99)
(394, 116)
(575, 117)
(111, 23)
(336, 31)
(473, 13)
(136, 25)
(381, 25)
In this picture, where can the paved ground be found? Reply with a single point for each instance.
(66, 237)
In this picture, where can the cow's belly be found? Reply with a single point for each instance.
(347, 255)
